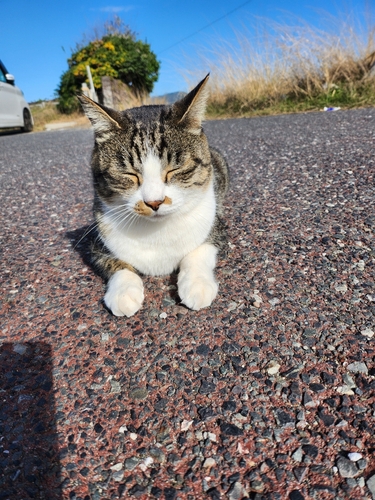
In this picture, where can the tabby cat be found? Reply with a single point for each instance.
(159, 191)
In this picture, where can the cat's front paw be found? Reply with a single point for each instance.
(196, 292)
(124, 294)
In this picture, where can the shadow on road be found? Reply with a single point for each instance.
(10, 131)
(80, 240)
(29, 463)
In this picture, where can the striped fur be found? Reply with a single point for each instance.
(159, 191)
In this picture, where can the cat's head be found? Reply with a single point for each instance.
(153, 160)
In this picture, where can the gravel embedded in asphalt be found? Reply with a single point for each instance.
(267, 394)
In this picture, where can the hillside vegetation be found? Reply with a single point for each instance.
(293, 69)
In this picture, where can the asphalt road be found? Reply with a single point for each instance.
(268, 394)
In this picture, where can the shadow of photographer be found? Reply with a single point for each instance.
(29, 455)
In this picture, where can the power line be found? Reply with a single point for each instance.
(207, 26)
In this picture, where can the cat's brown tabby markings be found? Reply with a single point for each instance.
(159, 191)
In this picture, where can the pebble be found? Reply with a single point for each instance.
(146, 463)
(347, 468)
(115, 387)
(349, 381)
(361, 265)
(211, 436)
(341, 288)
(272, 367)
(298, 455)
(186, 424)
(278, 434)
(237, 492)
(163, 315)
(362, 464)
(311, 450)
(361, 482)
(230, 430)
(284, 419)
(344, 389)
(138, 393)
(208, 463)
(367, 332)
(274, 301)
(358, 367)
(19, 348)
(118, 476)
(371, 485)
(157, 455)
(117, 467)
(354, 457)
(131, 463)
(296, 495)
(342, 423)
(300, 473)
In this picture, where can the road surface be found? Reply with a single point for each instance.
(268, 394)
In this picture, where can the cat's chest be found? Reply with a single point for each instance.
(157, 247)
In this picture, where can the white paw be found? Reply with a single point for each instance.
(196, 292)
(124, 294)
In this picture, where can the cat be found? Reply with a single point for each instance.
(159, 191)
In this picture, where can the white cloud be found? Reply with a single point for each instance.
(115, 9)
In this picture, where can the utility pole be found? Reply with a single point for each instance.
(93, 95)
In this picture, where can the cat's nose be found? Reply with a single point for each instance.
(154, 204)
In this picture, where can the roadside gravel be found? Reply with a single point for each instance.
(268, 394)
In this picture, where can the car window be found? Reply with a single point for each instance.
(2, 76)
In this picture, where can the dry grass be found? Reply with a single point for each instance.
(293, 69)
(46, 112)
(131, 100)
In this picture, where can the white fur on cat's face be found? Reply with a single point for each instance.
(153, 187)
(156, 244)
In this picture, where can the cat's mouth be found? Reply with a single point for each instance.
(157, 216)
(152, 210)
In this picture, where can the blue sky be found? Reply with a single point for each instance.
(37, 37)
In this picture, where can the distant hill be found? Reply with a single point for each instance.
(168, 98)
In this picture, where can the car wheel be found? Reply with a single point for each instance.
(27, 121)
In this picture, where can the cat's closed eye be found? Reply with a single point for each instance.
(134, 177)
(171, 173)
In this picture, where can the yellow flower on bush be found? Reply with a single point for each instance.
(80, 56)
(79, 70)
(109, 46)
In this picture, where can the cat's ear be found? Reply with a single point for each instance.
(190, 110)
(103, 119)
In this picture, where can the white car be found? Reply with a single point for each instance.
(14, 110)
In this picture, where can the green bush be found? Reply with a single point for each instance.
(118, 55)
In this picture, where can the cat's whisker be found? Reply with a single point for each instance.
(132, 220)
(91, 227)
(118, 220)
(124, 217)
(125, 222)
(112, 211)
